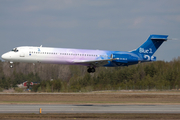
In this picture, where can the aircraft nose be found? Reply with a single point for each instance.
(5, 56)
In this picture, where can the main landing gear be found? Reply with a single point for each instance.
(91, 70)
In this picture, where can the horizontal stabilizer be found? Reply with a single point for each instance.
(159, 39)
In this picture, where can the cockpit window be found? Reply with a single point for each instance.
(15, 50)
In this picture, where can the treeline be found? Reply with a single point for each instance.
(158, 75)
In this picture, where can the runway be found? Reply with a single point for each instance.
(34, 108)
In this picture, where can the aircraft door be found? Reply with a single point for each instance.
(22, 54)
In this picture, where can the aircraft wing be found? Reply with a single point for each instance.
(95, 63)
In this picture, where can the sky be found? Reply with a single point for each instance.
(117, 25)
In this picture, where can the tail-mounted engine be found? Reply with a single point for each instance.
(124, 59)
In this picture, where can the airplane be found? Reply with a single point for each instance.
(90, 58)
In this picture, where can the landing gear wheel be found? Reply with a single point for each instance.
(91, 70)
(11, 66)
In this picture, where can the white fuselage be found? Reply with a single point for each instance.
(53, 55)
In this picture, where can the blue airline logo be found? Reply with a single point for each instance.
(142, 50)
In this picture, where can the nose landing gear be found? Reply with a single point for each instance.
(91, 70)
(11, 64)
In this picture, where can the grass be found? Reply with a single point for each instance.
(89, 116)
(92, 98)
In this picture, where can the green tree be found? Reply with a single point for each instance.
(48, 87)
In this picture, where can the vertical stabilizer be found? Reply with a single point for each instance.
(147, 49)
(151, 45)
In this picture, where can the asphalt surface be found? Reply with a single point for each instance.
(34, 108)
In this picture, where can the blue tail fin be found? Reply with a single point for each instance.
(147, 49)
(151, 45)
